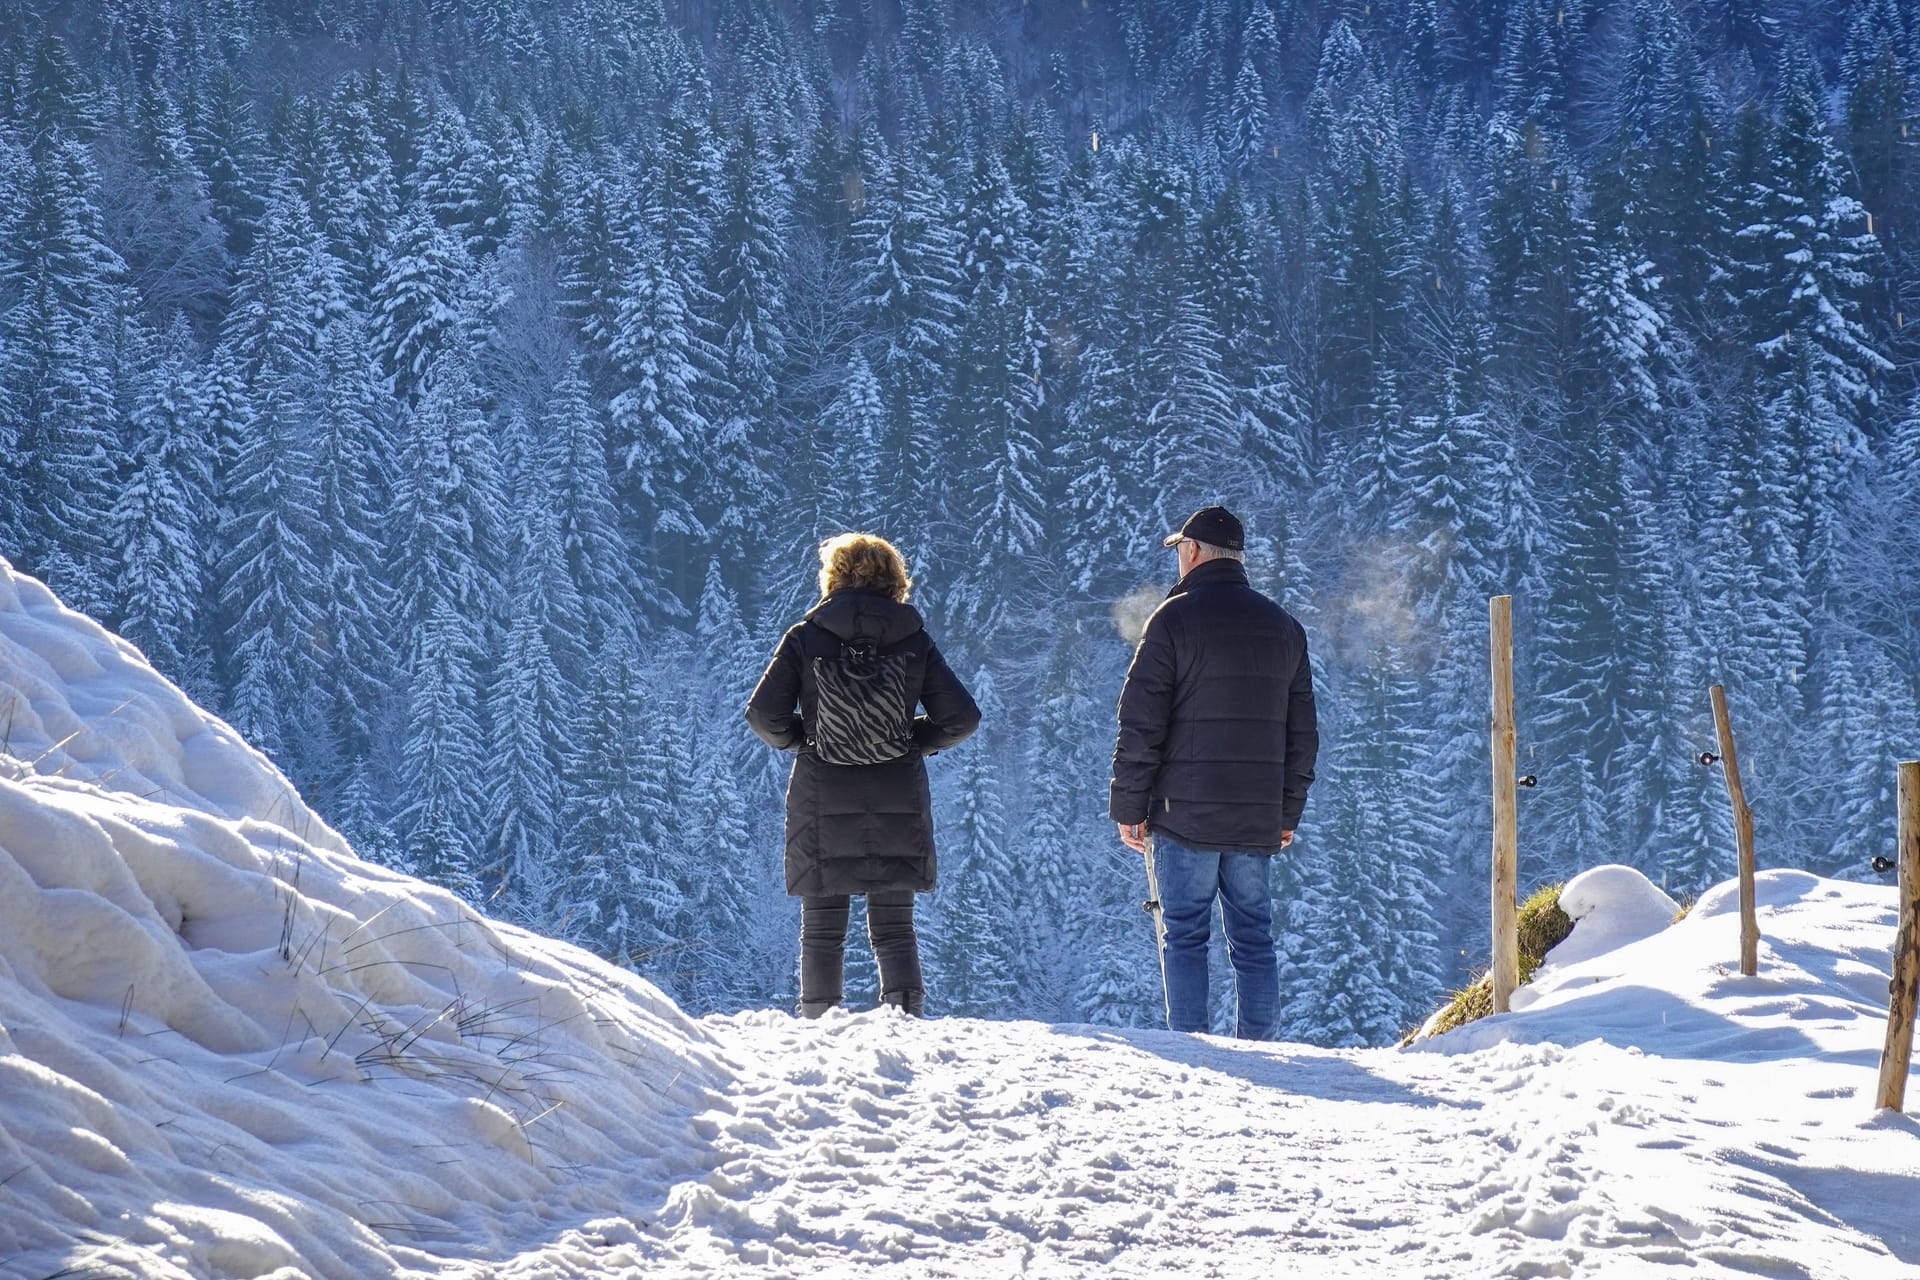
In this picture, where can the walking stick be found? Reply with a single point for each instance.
(1152, 905)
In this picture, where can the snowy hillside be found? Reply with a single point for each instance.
(229, 1047)
(232, 1049)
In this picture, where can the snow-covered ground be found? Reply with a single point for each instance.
(229, 1048)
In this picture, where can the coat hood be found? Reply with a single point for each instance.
(866, 615)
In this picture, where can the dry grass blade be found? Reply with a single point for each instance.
(412, 928)
(60, 745)
(349, 1022)
(369, 920)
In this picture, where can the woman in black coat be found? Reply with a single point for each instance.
(860, 828)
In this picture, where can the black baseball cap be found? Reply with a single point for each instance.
(1215, 526)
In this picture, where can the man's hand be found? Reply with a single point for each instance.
(1134, 836)
(1286, 838)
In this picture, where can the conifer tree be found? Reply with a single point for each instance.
(998, 384)
(464, 193)
(358, 643)
(852, 434)
(442, 758)
(975, 948)
(659, 428)
(572, 452)
(718, 872)
(447, 500)
(359, 186)
(907, 260)
(163, 519)
(228, 146)
(271, 572)
(61, 299)
(420, 300)
(745, 273)
(1816, 255)
(531, 708)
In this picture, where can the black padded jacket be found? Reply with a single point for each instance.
(864, 827)
(1217, 732)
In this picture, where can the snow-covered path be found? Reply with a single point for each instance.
(957, 1148)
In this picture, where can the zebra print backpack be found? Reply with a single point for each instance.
(863, 711)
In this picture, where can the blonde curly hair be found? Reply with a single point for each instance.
(864, 561)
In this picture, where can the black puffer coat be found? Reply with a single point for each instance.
(1217, 725)
(867, 827)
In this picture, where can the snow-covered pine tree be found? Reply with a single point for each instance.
(1806, 259)
(852, 437)
(359, 187)
(614, 893)
(158, 215)
(729, 886)
(973, 961)
(228, 146)
(997, 391)
(532, 708)
(271, 572)
(357, 639)
(444, 812)
(571, 450)
(1881, 102)
(1054, 847)
(745, 271)
(660, 432)
(448, 501)
(162, 520)
(908, 266)
(61, 296)
(456, 182)
(421, 299)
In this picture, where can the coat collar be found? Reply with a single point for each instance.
(1211, 573)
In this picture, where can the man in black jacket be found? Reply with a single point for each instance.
(1216, 750)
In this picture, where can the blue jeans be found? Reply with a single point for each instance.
(1189, 881)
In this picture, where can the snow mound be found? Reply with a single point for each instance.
(1678, 992)
(81, 705)
(1610, 906)
(228, 1047)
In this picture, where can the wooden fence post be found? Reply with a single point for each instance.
(1906, 947)
(1742, 833)
(1506, 854)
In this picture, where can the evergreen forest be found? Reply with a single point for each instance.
(451, 396)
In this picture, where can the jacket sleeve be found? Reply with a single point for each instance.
(1146, 705)
(773, 710)
(951, 715)
(1303, 741)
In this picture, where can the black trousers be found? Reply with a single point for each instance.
(823, 950)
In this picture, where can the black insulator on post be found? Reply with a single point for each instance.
(1882, 864)
(1708, 759)
(1527, 780)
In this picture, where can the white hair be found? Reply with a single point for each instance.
(1205, 551)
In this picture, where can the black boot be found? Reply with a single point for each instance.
(912, 1002)
(897, 949)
